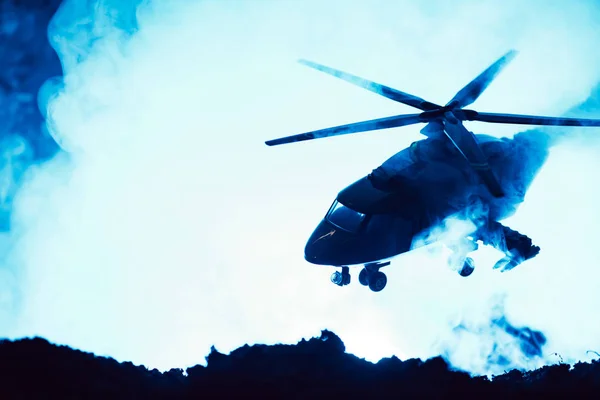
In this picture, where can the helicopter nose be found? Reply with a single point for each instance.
(324, 243)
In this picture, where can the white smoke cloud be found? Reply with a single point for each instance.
(170, 226)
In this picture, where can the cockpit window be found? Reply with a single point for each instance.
(344, 217)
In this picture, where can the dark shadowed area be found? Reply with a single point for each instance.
(315, 368)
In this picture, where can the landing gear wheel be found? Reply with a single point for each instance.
(466, 271)
(363, 277)
(336, 278)
(341, 278)
(377, 281)
(467, 268)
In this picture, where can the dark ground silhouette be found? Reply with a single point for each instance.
(317, 368)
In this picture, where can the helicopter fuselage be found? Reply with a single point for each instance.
(380, 215)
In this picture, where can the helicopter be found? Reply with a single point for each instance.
(452, 174)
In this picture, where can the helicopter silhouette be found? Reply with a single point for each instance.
(451, 175)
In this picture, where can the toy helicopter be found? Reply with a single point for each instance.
(451, 173)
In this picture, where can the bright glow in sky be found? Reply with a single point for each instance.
(171, 227)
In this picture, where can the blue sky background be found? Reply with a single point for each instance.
(169, 226)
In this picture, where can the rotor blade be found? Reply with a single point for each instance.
(470, 115)
(378, 88)
(473, 90)
(374, 124)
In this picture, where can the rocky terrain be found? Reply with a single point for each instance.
(315, 368)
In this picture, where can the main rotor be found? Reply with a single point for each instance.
(445, 119)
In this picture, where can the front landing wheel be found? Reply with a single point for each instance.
(341, 278)
(336, 278)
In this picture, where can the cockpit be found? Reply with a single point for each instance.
(345, 218)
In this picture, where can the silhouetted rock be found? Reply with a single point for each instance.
(315, 368)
